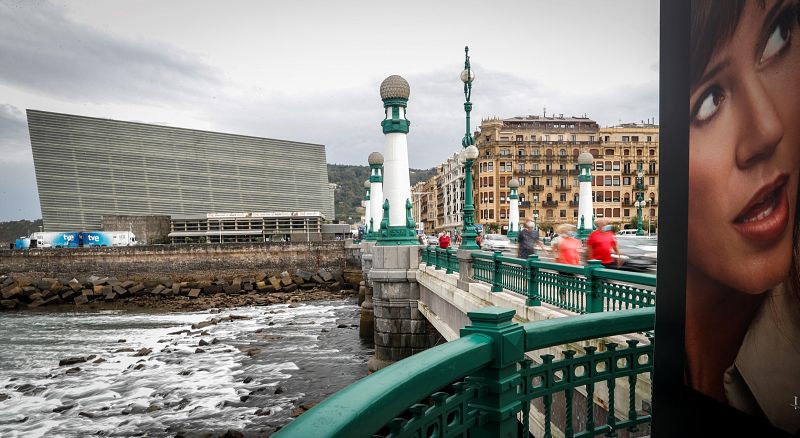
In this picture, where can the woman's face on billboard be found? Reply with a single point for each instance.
(745, 152)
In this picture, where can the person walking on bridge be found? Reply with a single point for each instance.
(601, 243)
(566, 247)
(528, 240)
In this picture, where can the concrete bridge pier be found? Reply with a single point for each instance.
(400, 329)
(366, 326)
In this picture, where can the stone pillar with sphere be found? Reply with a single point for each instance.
(400, 329)
(376, 194)
(513, 210)
(367, 205)
(585, 207)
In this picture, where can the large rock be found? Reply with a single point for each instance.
(326, 276)
(9, 304)
(75, 285)
(67, 295)
(12, 292)
(81, 299)
(275, 282)
(71, 360)
(194, 293)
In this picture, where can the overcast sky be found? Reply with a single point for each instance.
(310, 70)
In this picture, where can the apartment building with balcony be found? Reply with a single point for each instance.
(541, 152)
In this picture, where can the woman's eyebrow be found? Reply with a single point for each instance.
(713, 71)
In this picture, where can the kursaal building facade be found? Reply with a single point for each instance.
(88, 167)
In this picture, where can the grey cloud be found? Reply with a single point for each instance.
(14, 142)
(347, 121)
(56, 56)
(18, 195)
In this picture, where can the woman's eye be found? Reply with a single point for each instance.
(776, 41)
(709, 105)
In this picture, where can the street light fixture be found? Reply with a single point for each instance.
(470, 154)
(639, 198)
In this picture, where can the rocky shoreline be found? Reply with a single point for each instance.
(20, 292)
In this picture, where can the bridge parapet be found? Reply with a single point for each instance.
(482, 383)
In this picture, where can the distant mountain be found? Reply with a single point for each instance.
(349, 182)
(9, 231)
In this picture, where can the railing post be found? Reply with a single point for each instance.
(448, 255)
(594, 301)
(498, 401)
(533, 282)
(497, 278)
(438, 262)
(465, 269)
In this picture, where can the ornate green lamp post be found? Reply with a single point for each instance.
(468, 234)
(639, 198)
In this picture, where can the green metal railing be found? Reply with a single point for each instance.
(581, 289)
(440, 258)
(479, 384)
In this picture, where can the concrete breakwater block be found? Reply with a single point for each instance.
(18, 293)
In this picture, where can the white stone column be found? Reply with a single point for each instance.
(397, 181)
(585, 207)
(376, 188)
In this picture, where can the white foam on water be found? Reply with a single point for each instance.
(175, 383)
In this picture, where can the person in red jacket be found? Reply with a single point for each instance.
(444, 241)
(601, 243)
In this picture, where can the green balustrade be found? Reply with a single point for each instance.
(580, 289)
(477, 385)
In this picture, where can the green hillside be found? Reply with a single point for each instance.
(349, 182)
(12, 230)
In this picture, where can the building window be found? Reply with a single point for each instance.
(626, 152)
(626, 139)
(521, 181)
(616, 212)
(520, 152)
(574, 138)
(519, 138)
(521, 167)
(562, 197)
(549, 182)
(626, 212)
(536, 152)
(598, 165)
(504, 152)
(562, 152)
(635, 138)
(652, 180)
(649, 138)
(616, 181)
(546, 138)
(491, 214)
(591, 138)
(490, 166)
(652, 152)
(626, 180)
(607, 181)
(562, 213)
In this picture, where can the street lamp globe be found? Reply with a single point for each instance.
(471, 152)
(467, 76)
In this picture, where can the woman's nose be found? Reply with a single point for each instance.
(759, 123)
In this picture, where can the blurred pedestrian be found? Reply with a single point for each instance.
(528, 240)
(601, 243)
(565, 246)
(444, 241)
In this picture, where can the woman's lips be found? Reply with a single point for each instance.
(766, 215)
